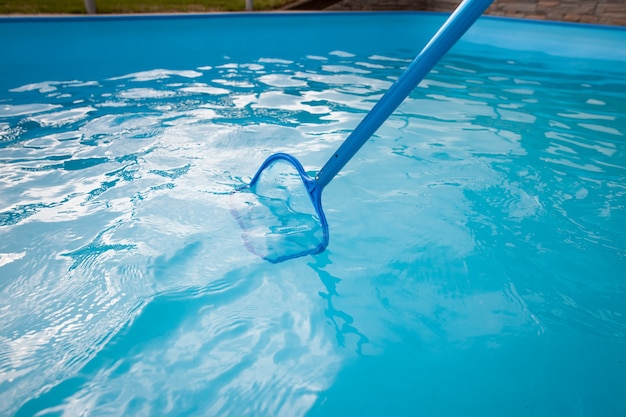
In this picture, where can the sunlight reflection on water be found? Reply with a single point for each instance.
(485, 220)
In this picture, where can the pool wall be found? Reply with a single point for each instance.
(125, 46)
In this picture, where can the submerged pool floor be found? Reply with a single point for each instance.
(477, 242)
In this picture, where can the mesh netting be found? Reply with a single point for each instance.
(276, 213)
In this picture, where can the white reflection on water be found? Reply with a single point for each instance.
(126, 288)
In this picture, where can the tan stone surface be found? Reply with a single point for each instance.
(611, 12)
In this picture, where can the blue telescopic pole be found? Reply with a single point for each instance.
(457, 24)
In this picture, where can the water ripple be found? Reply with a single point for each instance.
(473, 214)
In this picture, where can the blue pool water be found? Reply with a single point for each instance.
(477, 253)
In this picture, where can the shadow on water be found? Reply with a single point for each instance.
(341, 321)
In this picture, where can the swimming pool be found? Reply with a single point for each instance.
(477, 242)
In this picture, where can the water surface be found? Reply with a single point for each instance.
(477, 243)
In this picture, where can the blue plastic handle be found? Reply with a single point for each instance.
(457, 24)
